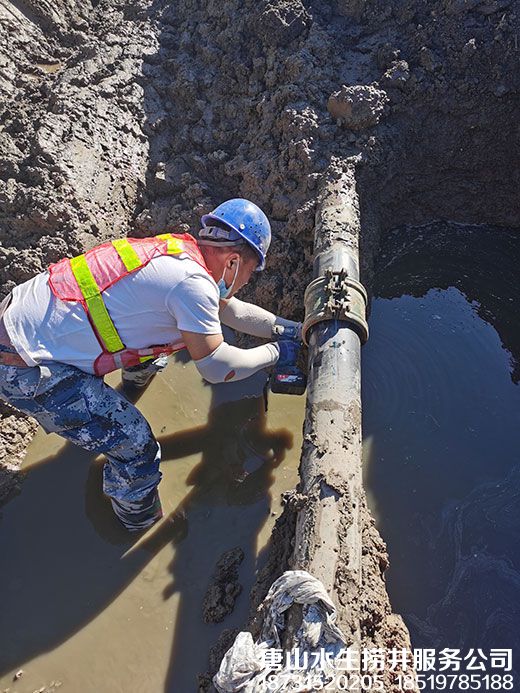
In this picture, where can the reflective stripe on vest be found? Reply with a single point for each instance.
(85, 278)
(91, 292)
(129, 257)
(174, 245)
(95, 304)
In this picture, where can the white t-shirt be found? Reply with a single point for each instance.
(148, 307)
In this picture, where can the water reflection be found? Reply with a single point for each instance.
(442, 418)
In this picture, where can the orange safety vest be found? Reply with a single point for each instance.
(84, 278)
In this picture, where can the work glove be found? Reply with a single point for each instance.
(290, 330)
(289, 351)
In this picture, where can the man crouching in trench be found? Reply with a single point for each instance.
(128, 304)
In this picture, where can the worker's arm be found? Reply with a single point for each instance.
(220, 362)
(256, 321)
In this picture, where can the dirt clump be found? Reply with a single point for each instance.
(15, 431)
(224, 588)
(357, 108)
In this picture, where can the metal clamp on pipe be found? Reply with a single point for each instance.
(335, 296)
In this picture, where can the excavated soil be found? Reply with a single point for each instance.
(132, 118)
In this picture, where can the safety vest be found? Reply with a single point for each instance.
(83, 279)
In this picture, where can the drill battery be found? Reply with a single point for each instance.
(288, 381)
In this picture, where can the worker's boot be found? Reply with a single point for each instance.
(137, 516)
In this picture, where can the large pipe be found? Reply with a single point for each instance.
(328, 527)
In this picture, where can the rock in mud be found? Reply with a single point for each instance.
(427, 59)
(470, 48)
(397, 75)
(222, 593)
(357, 108)
(282, 22)
(15, 430)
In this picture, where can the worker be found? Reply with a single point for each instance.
(128, 304)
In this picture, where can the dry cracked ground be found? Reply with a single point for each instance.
(122, 117)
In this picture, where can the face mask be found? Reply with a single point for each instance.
(223, 289)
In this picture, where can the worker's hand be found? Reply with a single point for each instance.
(289, 330)
(289, 351)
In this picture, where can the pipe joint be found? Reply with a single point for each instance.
(336, 296)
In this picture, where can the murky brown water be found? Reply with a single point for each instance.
(84, 607)
(441, 419)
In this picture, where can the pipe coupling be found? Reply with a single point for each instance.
(335, 296)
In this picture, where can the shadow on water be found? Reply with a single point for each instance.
(442, 431)
(61, 571)
(234, 473)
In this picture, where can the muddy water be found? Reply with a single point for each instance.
(85, 608)
(441, 400)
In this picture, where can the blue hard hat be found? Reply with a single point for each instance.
(245, 219)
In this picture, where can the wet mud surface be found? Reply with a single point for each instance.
(442, 432)
(150, 609)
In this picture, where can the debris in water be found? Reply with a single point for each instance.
(223, 592)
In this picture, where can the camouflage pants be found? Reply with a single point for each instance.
(83, 409)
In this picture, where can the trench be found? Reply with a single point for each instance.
(440, 439)
(441, 415)
(90, 609)
(129, 118)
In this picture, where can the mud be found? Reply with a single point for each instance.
(76, 583)
(134, 117)
(220, 598)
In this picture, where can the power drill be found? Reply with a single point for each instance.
(287, 380)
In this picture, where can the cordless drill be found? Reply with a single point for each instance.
(288, 381)
(288, 378)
